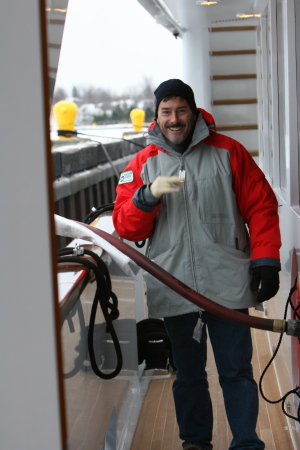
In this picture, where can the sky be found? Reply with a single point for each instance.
(114, 44)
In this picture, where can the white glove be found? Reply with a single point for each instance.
(166, 185)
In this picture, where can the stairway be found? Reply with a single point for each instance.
(234, 83)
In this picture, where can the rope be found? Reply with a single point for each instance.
(102, 297)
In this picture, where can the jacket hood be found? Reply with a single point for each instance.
(205, 125)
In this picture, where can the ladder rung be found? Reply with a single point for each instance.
(234, 127)
(233, 52)
(55, 46)
(234, 101)
(57, 22)
(245, 28)
(238, 76)
(253, 152)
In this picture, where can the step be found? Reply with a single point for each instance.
(237, 76)
(233, 127)
(234, 101)
(242, 28)
(232, 52)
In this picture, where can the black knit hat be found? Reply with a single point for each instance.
(176, 88)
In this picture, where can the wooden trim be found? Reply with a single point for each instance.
(244, 28)
(53, 245)
(233, 52)
(238, 76)
(234, 127)
(234, 101)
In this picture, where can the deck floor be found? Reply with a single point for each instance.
(157, 428)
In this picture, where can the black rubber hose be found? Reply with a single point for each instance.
(101, 210)
(97, 212)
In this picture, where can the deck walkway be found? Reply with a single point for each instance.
(157, 428)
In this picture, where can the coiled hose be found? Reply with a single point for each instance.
(102, 297)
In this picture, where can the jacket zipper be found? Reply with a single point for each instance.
(182, 174)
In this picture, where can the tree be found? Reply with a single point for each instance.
(95, 95)
(147, 87)
(59, 94)
(116, 107)
(75, 93)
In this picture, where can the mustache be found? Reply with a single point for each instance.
(177, 124)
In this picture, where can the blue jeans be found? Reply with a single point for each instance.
(232, 347)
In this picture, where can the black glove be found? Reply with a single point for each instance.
(267, 278)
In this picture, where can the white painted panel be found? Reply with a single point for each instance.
(235, 114)
(29, 414)
(236, 64)
(248, 138)
(196, 59)
(234, 88)
(233, 40)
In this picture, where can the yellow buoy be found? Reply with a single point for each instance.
(65, 114)
(137, 117)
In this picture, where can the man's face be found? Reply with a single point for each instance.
(175, 119)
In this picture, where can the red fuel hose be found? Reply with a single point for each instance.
(275, 325)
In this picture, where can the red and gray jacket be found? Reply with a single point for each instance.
(224, 223)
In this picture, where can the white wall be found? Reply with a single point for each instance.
(29, 406)
(196, 59)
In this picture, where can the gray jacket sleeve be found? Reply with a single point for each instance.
(144, 200)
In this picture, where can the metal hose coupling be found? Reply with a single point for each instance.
(292, 327)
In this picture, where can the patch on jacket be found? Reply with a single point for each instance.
(126, 177)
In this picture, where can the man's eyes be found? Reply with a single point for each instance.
(179, 111)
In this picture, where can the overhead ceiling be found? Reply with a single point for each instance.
(180, 14)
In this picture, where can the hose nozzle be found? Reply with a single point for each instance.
(292, 328)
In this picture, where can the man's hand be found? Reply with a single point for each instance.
(267, 278)
(166, 185)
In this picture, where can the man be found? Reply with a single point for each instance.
(220, 236)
